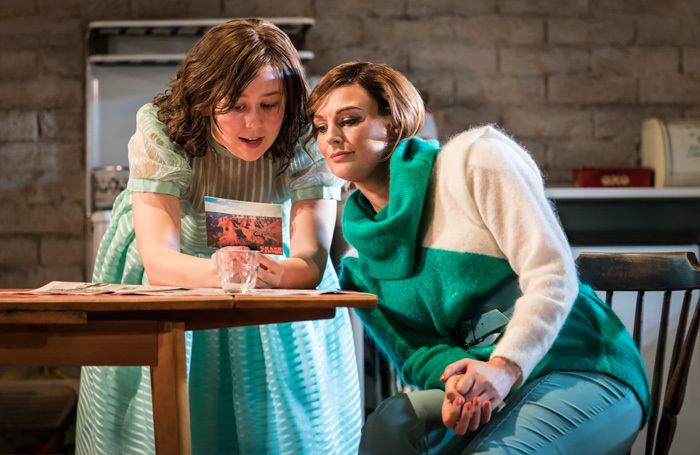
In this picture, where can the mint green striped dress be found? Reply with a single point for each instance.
(272, 389)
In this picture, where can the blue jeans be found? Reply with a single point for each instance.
(561, 413)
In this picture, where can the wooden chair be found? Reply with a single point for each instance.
(644, 272)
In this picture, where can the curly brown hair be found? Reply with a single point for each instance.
(218, 69)
(394, 94)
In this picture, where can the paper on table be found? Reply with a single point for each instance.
(84, 288)
(283, 292)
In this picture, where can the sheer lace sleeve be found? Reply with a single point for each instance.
(156, 165)
(310, 177)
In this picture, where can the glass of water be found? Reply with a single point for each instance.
(238, 268)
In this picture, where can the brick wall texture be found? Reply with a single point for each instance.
(571, 80)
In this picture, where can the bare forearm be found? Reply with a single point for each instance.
(300, 273)
(171, 268)
(311, 231)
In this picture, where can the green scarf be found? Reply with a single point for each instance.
(386, 241)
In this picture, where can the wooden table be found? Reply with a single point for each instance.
(78, 330)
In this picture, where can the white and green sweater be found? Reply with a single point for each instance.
(460, 221)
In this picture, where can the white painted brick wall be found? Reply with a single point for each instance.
(571, 80)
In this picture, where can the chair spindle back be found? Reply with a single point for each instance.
(642, 273)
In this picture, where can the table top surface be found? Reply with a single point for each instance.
(131, 302)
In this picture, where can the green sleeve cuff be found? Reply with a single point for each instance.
(316, 192)
(153, 186)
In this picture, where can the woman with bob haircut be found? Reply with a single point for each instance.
(479, 301)
(228, 126)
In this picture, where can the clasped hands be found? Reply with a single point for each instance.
(474, 388)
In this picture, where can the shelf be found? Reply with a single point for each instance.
(628, 216)
(108, 37)
(156, 59)
(293, 25)
(32, 403)
(623, 193)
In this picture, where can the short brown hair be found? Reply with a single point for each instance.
(394, 94)
(218, 68)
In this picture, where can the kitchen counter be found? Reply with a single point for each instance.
(628, 216)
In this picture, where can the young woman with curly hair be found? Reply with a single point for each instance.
(228, 127)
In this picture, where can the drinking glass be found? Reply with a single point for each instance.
(238, 267)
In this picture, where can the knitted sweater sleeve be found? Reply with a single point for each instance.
(508, 192)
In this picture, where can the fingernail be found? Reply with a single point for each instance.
(458, 401)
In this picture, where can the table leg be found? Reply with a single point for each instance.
(171, 411)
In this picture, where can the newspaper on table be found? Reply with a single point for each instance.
(85, 288)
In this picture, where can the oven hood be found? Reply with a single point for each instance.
(167, 41)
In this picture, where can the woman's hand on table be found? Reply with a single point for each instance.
(214, 263)
(269, 273)
(473, 389)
